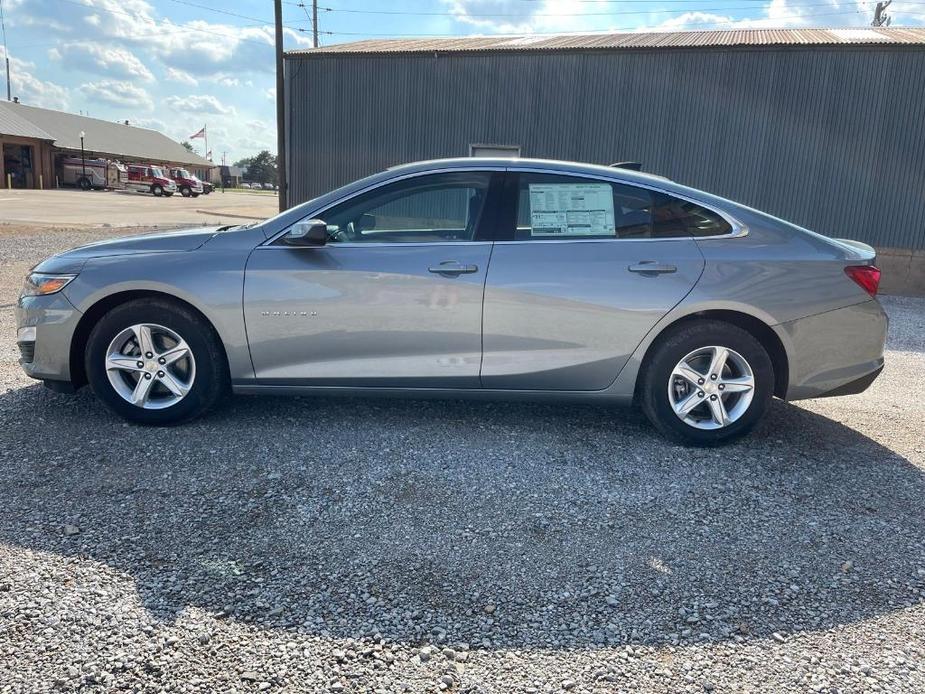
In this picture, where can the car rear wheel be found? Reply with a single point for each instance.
(706, 383)
(157, 190)
(155, 362)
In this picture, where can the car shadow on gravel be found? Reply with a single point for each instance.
(494, 524)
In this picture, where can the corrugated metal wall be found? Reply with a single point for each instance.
(829, 138)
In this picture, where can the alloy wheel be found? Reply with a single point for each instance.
(711, 387)
(150, 366)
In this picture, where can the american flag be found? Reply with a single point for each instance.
(201, 133)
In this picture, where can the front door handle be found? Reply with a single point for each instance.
(651, 267)
(452, 267)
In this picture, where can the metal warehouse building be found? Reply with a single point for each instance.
(823, 127)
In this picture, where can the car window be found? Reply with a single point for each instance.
(426, 209)
(570, 207)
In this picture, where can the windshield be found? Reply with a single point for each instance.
(157, 172)
(182, 173)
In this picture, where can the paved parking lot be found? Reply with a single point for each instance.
(68, 207)
(368, 545)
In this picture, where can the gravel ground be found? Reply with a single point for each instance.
(363, 545)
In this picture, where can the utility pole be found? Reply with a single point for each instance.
(315, 23)
(6, 54)
(280, 111)
(881, 18)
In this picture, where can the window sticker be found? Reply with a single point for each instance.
(571, 209)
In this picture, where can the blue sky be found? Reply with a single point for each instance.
(176, 65)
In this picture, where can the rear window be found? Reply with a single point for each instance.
(570, 208)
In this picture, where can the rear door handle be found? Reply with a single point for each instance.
(647, 267)
(452, 267)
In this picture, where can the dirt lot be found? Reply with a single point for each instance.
(338, 545)
(62, 208)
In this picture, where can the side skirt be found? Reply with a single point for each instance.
(587, 397)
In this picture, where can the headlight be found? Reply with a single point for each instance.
(38, 284)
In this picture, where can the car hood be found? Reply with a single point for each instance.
(172, 241)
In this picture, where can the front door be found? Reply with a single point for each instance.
(587, 270)
(393, 299)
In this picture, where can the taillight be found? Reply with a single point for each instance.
(867, 277)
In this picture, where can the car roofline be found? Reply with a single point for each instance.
(616, 173)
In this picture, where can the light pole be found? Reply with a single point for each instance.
(83, 160)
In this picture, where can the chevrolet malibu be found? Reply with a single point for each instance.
(482, 278)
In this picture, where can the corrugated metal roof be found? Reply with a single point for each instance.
(631, 40)
(12, 124)
(102, 136)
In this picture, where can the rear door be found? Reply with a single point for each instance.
(583, 274)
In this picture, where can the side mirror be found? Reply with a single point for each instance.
(311, 232)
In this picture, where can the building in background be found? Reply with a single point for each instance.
(36, 139)
(27, 153)
(822, 127)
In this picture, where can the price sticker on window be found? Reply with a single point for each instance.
(571, 209)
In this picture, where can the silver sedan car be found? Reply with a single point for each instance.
(491, 278)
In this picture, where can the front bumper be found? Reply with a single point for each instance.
(54, 320)
(838, 352)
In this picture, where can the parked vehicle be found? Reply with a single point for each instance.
(92, 173)
(187, 184)
(470, 278)
(207, 187)
(245, 185)
(147, 178)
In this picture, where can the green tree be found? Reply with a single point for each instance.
(188, 146)
(261, 168)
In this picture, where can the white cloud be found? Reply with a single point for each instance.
(118, 93)
(198, 103)
(175, 75)
(151, 124)
(226, 80)
(109, 61)
(30, 89)
(546, 16)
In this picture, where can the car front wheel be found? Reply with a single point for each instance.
(186, 191)
(158, 191)
(155, 362)
(706, 383)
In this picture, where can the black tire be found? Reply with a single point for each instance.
(186, 191)
(157, 191)
(206, 191)
(674, 346)
(168, 195)
(84, 183)
(211, 379)
(195, 195)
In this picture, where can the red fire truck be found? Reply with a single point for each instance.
(187, 184)
(149, 178)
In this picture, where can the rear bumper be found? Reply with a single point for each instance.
(839, 352)
(854, 387)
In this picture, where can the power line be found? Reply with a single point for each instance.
(708, 21)
(6, 56)
(219, 11)
(148, 20)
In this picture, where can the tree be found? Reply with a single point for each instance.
(188, 146)
(261, 168)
